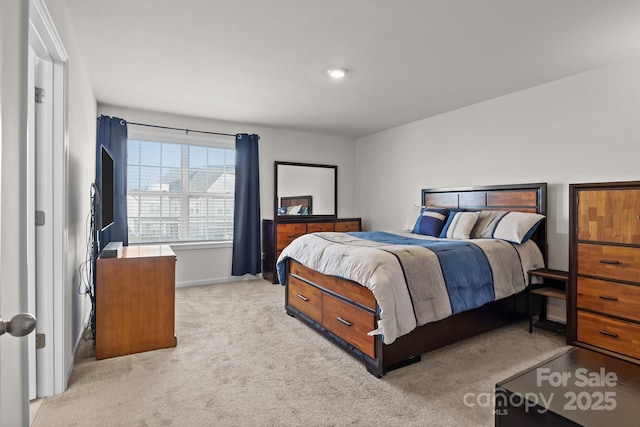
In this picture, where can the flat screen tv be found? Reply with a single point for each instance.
(106, 190)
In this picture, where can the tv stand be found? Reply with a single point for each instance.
(135, 301)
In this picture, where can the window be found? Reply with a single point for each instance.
(179, 192)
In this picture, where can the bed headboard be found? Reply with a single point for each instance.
(515, 197)
(304, 201)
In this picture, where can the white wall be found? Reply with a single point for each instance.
(584, 128)
(212, 263)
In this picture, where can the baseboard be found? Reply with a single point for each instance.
(203, 282)
(557, 319)
(74, 352)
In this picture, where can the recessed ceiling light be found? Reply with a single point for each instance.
(337, 73)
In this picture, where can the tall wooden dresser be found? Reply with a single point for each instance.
(277, 234)
(604, 271)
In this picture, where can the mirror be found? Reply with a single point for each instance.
(305, 189)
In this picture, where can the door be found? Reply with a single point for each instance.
(19, 326)
(15, 92)
(30, 237)
(14, 24)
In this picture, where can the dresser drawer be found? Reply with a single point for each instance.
(616, 299)
(346, 226)
(611, 262)
(317, 227)
(611, 334)
(609, 215)
(285, 233)
(349, 322)
(306, 298)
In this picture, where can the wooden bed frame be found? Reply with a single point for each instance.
(344, 311)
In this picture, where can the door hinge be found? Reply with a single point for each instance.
(40, 341)
(39, 95)
(39, 218)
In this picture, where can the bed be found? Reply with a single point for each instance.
(362, 291)
(295, 205)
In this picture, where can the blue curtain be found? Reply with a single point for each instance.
(247, 251)
(112, 134)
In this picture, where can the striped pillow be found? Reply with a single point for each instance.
(431, 221)
(459, 225)
(517, 227)
(487, 222)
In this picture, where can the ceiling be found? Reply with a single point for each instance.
(264, 62)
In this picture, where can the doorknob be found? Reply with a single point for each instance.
(19, 326)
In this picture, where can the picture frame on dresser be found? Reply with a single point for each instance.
(604, 268)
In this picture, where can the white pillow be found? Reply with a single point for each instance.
(294, 210)
(517, 227)
(460, 225)
(414, 213)
(486, 224)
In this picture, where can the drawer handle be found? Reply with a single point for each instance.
(608, 298)
(610, 262)
(609, 334)
(303, 298)
(344, 322)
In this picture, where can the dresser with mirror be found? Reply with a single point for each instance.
(305, 201)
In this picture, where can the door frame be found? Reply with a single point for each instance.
(53, 305)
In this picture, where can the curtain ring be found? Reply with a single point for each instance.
(122, 122)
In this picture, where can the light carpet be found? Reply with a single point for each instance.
(241, 361)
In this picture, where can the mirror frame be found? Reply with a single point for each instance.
(313, 165)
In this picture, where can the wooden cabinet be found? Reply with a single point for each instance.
(604, 302)
(349, 317)
(135, 301)
(277, 234)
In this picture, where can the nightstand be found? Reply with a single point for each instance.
(554, 285)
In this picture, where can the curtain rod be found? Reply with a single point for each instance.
(184, 130)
